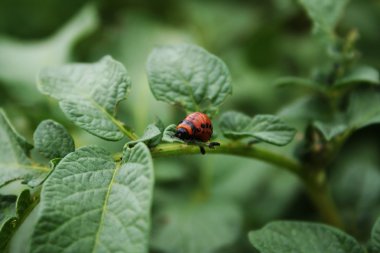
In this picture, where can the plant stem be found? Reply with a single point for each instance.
(314, 182)
(230, 148)
(318, 192)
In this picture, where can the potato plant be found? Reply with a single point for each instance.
(89, 199)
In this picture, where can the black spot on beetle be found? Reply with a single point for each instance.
(203, 125)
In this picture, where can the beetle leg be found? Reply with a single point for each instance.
(213, 144)
(202, 149)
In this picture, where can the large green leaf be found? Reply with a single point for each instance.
(267, 128)
(325, 14)
(302, 237)
(91, 204)
(196, 227)
(52, 140)
(12, 209)
(189, 76)
(89, 93)
(14, 161)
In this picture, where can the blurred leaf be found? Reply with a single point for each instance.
(325, 14)
(115, 203)
(297, 82)
(196, 227)
(152, 136)
(169, 133)
(189, 76)
(359, 75)
(89, 93)
(12, 210)
(7, 207)
(330, 130)
(52, 140)
(42, 19)
(355, 183)
(302, 237)
(375, 237)
(307, 108)
(364, 108)
(14, 150)
(262, 186)
(20, 242)
(21, 61)
(267, 128)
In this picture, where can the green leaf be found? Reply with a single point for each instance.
(52, 140)
(355, 182)
(169, 133)
(302, 237)
(330, 130)
(14, 149)
(306, 109)
(151, 137)
(266, 128)
(325, 14)
(12, 210)
(189, 76)
(375, 237)
(296, 82)
(89, 93)
(91, 204)
(359, 75)
(364, 108)
(193, 228)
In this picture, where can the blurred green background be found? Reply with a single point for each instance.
(259, 41)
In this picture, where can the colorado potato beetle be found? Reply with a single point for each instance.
(196, 127)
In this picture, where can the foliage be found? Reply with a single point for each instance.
(88, 182)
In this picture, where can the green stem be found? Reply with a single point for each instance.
(230, 148)
(314, 183)
(319, 193)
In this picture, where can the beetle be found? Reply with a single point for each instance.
(196, 127)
